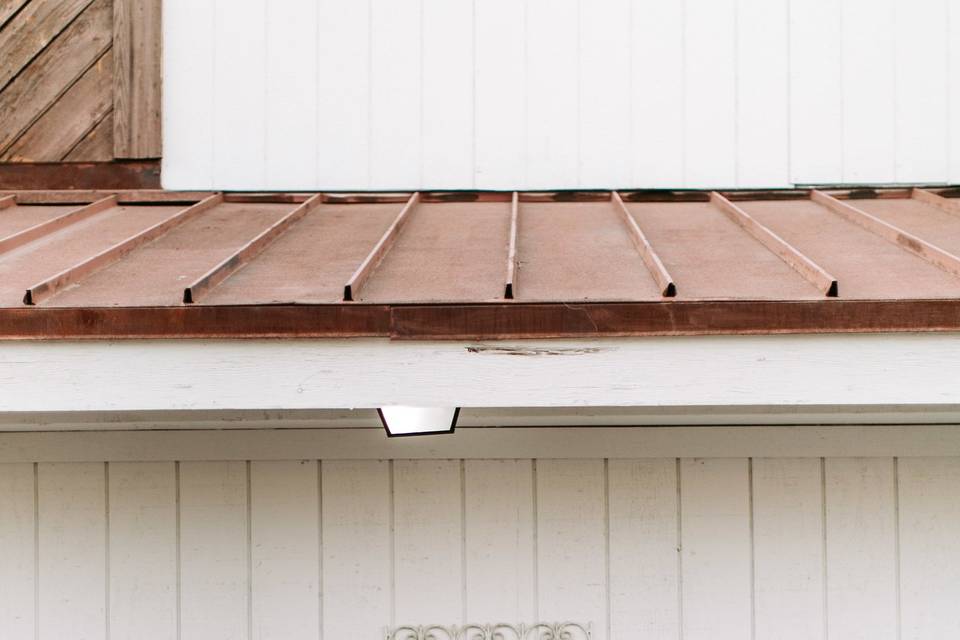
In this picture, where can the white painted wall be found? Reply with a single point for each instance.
(718, 548)
(529, 94)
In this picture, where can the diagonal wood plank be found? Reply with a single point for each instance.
(136, 85)
(31, 31)
(54, 71)
(8, 8)
(97, 146)
(70, 119)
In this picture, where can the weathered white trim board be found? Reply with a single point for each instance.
(482, 443)
(785, 370)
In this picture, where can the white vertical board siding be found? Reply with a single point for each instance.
(143, 550)
(17, 551)
(929, 547)
(762, 120)
(499, 540)
(788, 548)
(284, 550)
(291, 93)
(72, 553)
(500, 94)
(343, 95)
(657, 93)
(839, 548)
(357, 514)
(572, 551)
(862, 590)
(446, 114)
(239, 86)
(606, 41)
(553, 93)
(922, 82)
(716, 548)
(710, 93)
(396, 133)
(816, 92)
(428, 534)
(404, 94)
(214, 551)
(188, 109)
(644, 549)
(869, 90)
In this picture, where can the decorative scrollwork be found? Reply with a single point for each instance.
(497, 631)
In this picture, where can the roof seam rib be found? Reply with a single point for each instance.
(248, 252)
(651, 260)
(42, 229)
(71, 275)
(513, 266)
(914, 244)
(799, 262)
(936, 200)
(380, 250)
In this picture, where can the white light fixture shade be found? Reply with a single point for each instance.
(418, 421)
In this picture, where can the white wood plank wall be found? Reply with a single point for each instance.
(529, 94)
(721, 548)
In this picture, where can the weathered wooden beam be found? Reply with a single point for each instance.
(950, 205)
(800, 263)
(71, 275)
(907, 241)
(379, 251)
(110, 176)
(511, 285)
(506, 320)
(30, 234)
(248, 252)
(654, 264)
(137, 78)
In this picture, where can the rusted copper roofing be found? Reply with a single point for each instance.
(80, 264)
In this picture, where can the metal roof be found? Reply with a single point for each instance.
(477, 264)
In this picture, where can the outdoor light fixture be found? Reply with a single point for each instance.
(418, 421)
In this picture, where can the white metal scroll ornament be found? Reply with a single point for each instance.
(499, 631)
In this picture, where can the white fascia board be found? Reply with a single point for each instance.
(708, 371)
